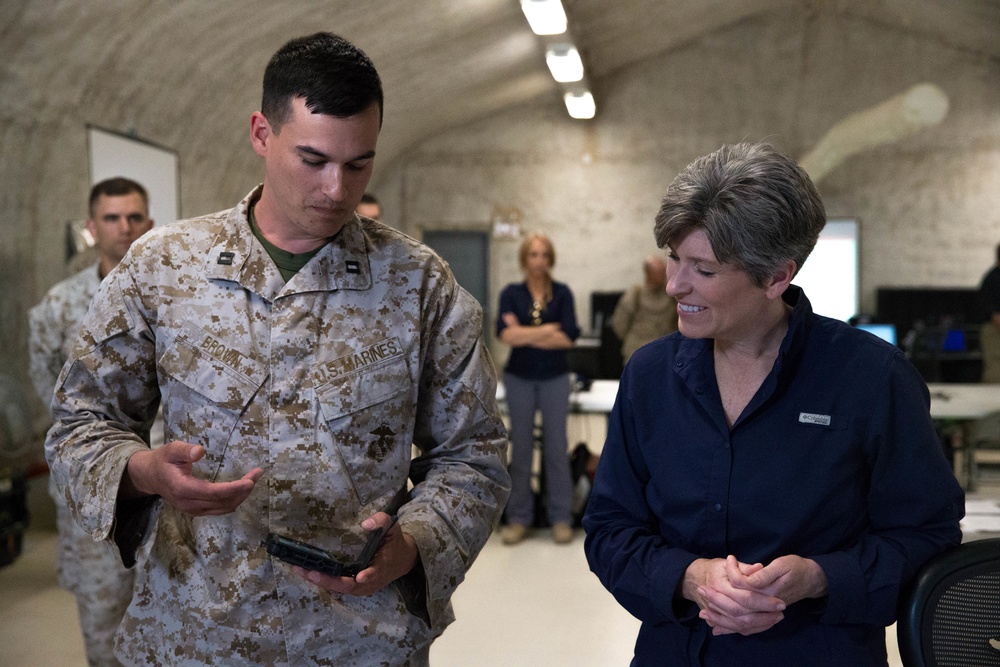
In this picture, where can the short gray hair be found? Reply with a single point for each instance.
(757, 207)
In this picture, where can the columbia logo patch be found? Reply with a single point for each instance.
(810, 418)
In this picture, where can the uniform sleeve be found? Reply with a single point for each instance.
(624, 548)
(105, 396)
(45, 339)
(567, 317)
(460, 477)
(914, 506)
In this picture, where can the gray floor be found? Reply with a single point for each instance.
(537, 592)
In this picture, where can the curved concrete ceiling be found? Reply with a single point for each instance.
(179, 72)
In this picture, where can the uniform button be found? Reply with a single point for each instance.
(718, 507)
(699, 391)
(678, 364)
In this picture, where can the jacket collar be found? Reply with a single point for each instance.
(694, 362)
(237, 256)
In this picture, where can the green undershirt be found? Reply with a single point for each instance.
(288, 263)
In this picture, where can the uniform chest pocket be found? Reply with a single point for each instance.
(368, 415)
(209, 385)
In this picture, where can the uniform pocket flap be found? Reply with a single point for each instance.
(363, 388)
(212, 368)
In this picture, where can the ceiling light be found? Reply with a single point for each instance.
(564, 63)
(546, 17)
(580, 105)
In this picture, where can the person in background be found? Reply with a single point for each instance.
(538, 321)
(300, 353)
(645, 312)
(771, 480)
(369, 207)
(118, 215)
(989, 333)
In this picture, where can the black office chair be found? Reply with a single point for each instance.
(951, 614)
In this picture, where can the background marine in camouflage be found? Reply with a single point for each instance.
(118, 215)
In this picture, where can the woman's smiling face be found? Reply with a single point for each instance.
(714, 300)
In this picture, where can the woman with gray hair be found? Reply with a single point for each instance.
(771, 478)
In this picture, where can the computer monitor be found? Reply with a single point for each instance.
(954, 341)
(886, 332)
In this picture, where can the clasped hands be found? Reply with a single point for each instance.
(168, 471)
(740, 598)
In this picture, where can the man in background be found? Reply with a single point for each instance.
(645, 312)
(989, 334)
(119, 214)
(369, 207)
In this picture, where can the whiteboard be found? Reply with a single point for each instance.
(830, 274)
(155, 167)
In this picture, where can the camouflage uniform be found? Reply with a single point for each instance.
(325, 382)
(88, 569)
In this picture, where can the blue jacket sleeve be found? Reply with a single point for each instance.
(623, 545)
(567, 316)
(914, 506)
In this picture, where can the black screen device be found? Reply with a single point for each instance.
(313, 558)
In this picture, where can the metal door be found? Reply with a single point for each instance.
(468, 254)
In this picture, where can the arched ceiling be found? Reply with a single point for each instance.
(177, 72)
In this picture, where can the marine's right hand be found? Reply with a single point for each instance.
(168, 472)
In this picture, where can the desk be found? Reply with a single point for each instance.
(599, 398)
(963, 404)
(948, 401)
(963, 401)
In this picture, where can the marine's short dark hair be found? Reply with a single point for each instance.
(119, 186)
(756, 205)
(335, 77)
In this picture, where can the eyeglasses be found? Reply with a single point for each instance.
(536, 312)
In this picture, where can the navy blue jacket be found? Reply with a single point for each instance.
(533, 363)
(835, 459)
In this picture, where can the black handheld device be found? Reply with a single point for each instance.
(313, 558)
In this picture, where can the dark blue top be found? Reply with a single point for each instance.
(529, 362)
(835, 458)
(989, 292)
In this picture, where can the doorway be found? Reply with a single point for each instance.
(468, 254)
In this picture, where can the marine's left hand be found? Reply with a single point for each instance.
(396, 556)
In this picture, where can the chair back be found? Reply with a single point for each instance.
(950, 616)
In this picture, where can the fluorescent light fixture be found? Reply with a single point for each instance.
(564, 63)
(580, 105)
(546, 17)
